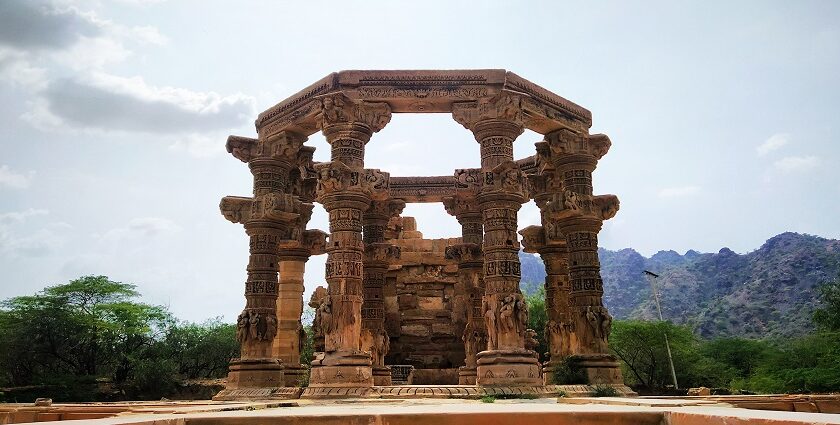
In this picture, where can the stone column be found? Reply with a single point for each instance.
(287, 343)
(546, 240)
(559, 330)
(378, 254)
(267, 218)
(578, 216)
(344, 190)
(496, 123)
(470, 263)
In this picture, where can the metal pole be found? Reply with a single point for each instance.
(652, 279)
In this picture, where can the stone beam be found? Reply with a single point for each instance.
(423, 91)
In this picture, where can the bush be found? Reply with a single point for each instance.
(566, 373)
(604, 391)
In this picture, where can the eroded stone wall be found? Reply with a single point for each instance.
(424, 306)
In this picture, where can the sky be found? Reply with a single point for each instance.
(114, 115)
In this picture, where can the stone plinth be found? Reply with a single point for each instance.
(508, 368)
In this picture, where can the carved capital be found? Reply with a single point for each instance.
(236, 209)
(281, 207)
(315, 241)
(505, 178)
(334, 177)
(533, 239)
(564, 142)
(338, 109)
(386, 209)
(606, 206)
(283, 146)
(504, 107)
(381, 252)
(460, 206)
(242, 148)
(468, 180)
(572, 204)
(464, 253)
(376, 183)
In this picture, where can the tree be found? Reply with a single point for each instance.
(827, 317)
(88, 328)
(640, 346)
(537, 319)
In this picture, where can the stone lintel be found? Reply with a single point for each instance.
(423, 91)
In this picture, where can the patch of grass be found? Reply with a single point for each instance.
(488, 399)
(561, 393)
(604, 391)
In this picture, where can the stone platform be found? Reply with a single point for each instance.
(455, 391)
(584, 411)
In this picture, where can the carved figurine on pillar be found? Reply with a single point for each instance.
(267, 217)
(344, 188)
(578, 215)
(496, 123)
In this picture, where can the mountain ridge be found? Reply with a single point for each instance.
(766, 293)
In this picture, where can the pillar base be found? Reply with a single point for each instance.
(508, 368)
(293, 374)
(255, 373)
(341, 369)
(466, 376)
(597, 368)
(381, 376)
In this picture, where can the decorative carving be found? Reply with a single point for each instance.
(242, 148)
(338, 109)
(533, 238)
(334, 176)
(382, 252)
(254, 326)
(505, 107)
(236, 209)
(315, 241)
(463, 253)
(319, 297)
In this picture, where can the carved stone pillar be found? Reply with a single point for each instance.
(578, 216)
(267, 218)
(496, 123)
(559, 330)
(378, 255)
(470, 279)
(344, 189)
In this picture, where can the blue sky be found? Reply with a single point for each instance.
(723, 117)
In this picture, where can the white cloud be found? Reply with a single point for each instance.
(678, 192)
(32, 243)
(111, 103)
(145, 227)
(13, 179)
(200, 145)
(20, 216)
(16, 69)
(796, 163)
(774, 142)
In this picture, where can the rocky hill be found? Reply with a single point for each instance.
(769, 292)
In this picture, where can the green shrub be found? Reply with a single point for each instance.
(488, 399)
(566, 373)
(604, 391)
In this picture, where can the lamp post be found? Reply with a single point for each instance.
(651, 277)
